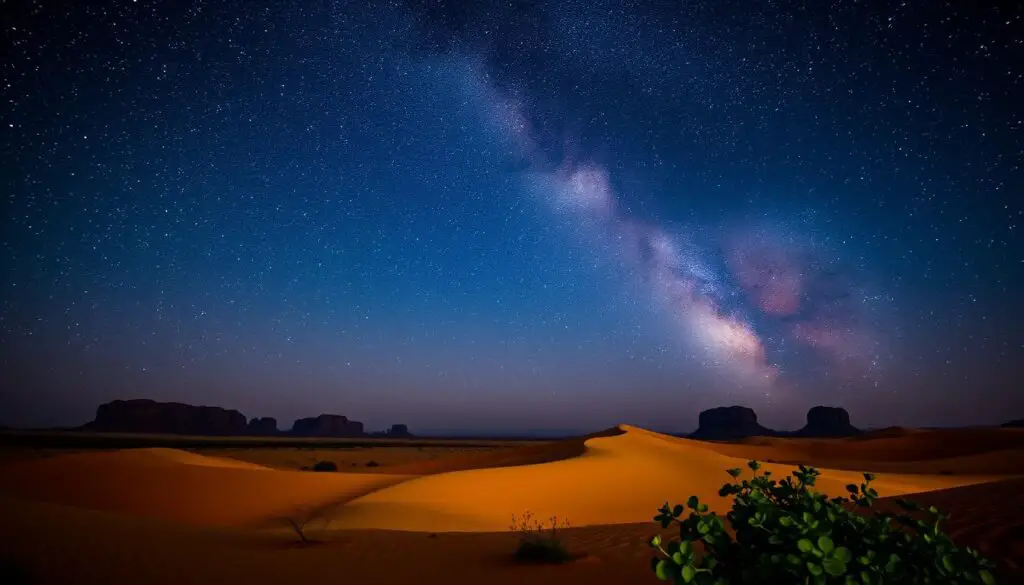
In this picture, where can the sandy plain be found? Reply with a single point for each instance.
(440, 511)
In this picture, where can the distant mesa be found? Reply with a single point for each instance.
(175, 418)
(150, 416)
(1014, 424)
(262, 426)
(726, 423)
(828, 421)
(729, 423)
(327, 425)
(399, 431)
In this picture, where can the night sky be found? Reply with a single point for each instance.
(514, 217)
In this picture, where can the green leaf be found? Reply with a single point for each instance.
(834, 567)
(825, 544)
(691, 502)
(814, 568)
(867, 578)
(686, 547)
(804, 545)
(661, 570)
(986, 577)
(677, 510)
(735, 472)
(852, 488)
(754, 465)
(947, 562)
(655, 541)
(786, 521)
(843, 554)
(688, 573)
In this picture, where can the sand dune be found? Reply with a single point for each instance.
(618, 479)
(182, 487)
(619, 476)
(168, 516)
(60, 545)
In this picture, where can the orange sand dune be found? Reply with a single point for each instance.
(618, 479)
(182, 487)
(60, 545)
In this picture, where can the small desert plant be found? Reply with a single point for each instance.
(786, 532)
(372, 463)
(301, 520)
(325, 466)
(299, 527)
(539, 543)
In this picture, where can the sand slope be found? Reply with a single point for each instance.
(167, 516)
(182, 487)
(618, 479)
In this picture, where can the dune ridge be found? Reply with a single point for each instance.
(617, 476)
(616, 480)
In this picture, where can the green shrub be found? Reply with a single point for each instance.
(537, 543)
(787, 533)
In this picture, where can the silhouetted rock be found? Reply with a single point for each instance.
(729, 422)
(260, 426)
(150, 416)
(327, 425)
(828, 421)
(325, 466)
(399, 431)
(1014, 424)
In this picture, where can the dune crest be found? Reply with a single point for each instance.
(617, 479)
(617, 476)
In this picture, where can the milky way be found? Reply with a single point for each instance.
(779, 279)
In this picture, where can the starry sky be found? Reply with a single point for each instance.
(514, 217)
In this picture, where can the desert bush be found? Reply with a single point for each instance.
(372, 463)
(325, 466)
(785, 532)
(539, 543)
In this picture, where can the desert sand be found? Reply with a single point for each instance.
(171, 516)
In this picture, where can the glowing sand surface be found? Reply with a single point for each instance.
(617, 479)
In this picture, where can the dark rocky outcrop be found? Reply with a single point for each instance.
(262, 426)
(150, 416)
(729, 422)
(399, 431)
(1014, 424)
(828, 421)
(327, 425)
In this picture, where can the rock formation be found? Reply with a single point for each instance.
(729, 422)
(149, 416)
(327, 425)
(262, 426)
(399, 431)
(1014, 424)
(828, 421)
